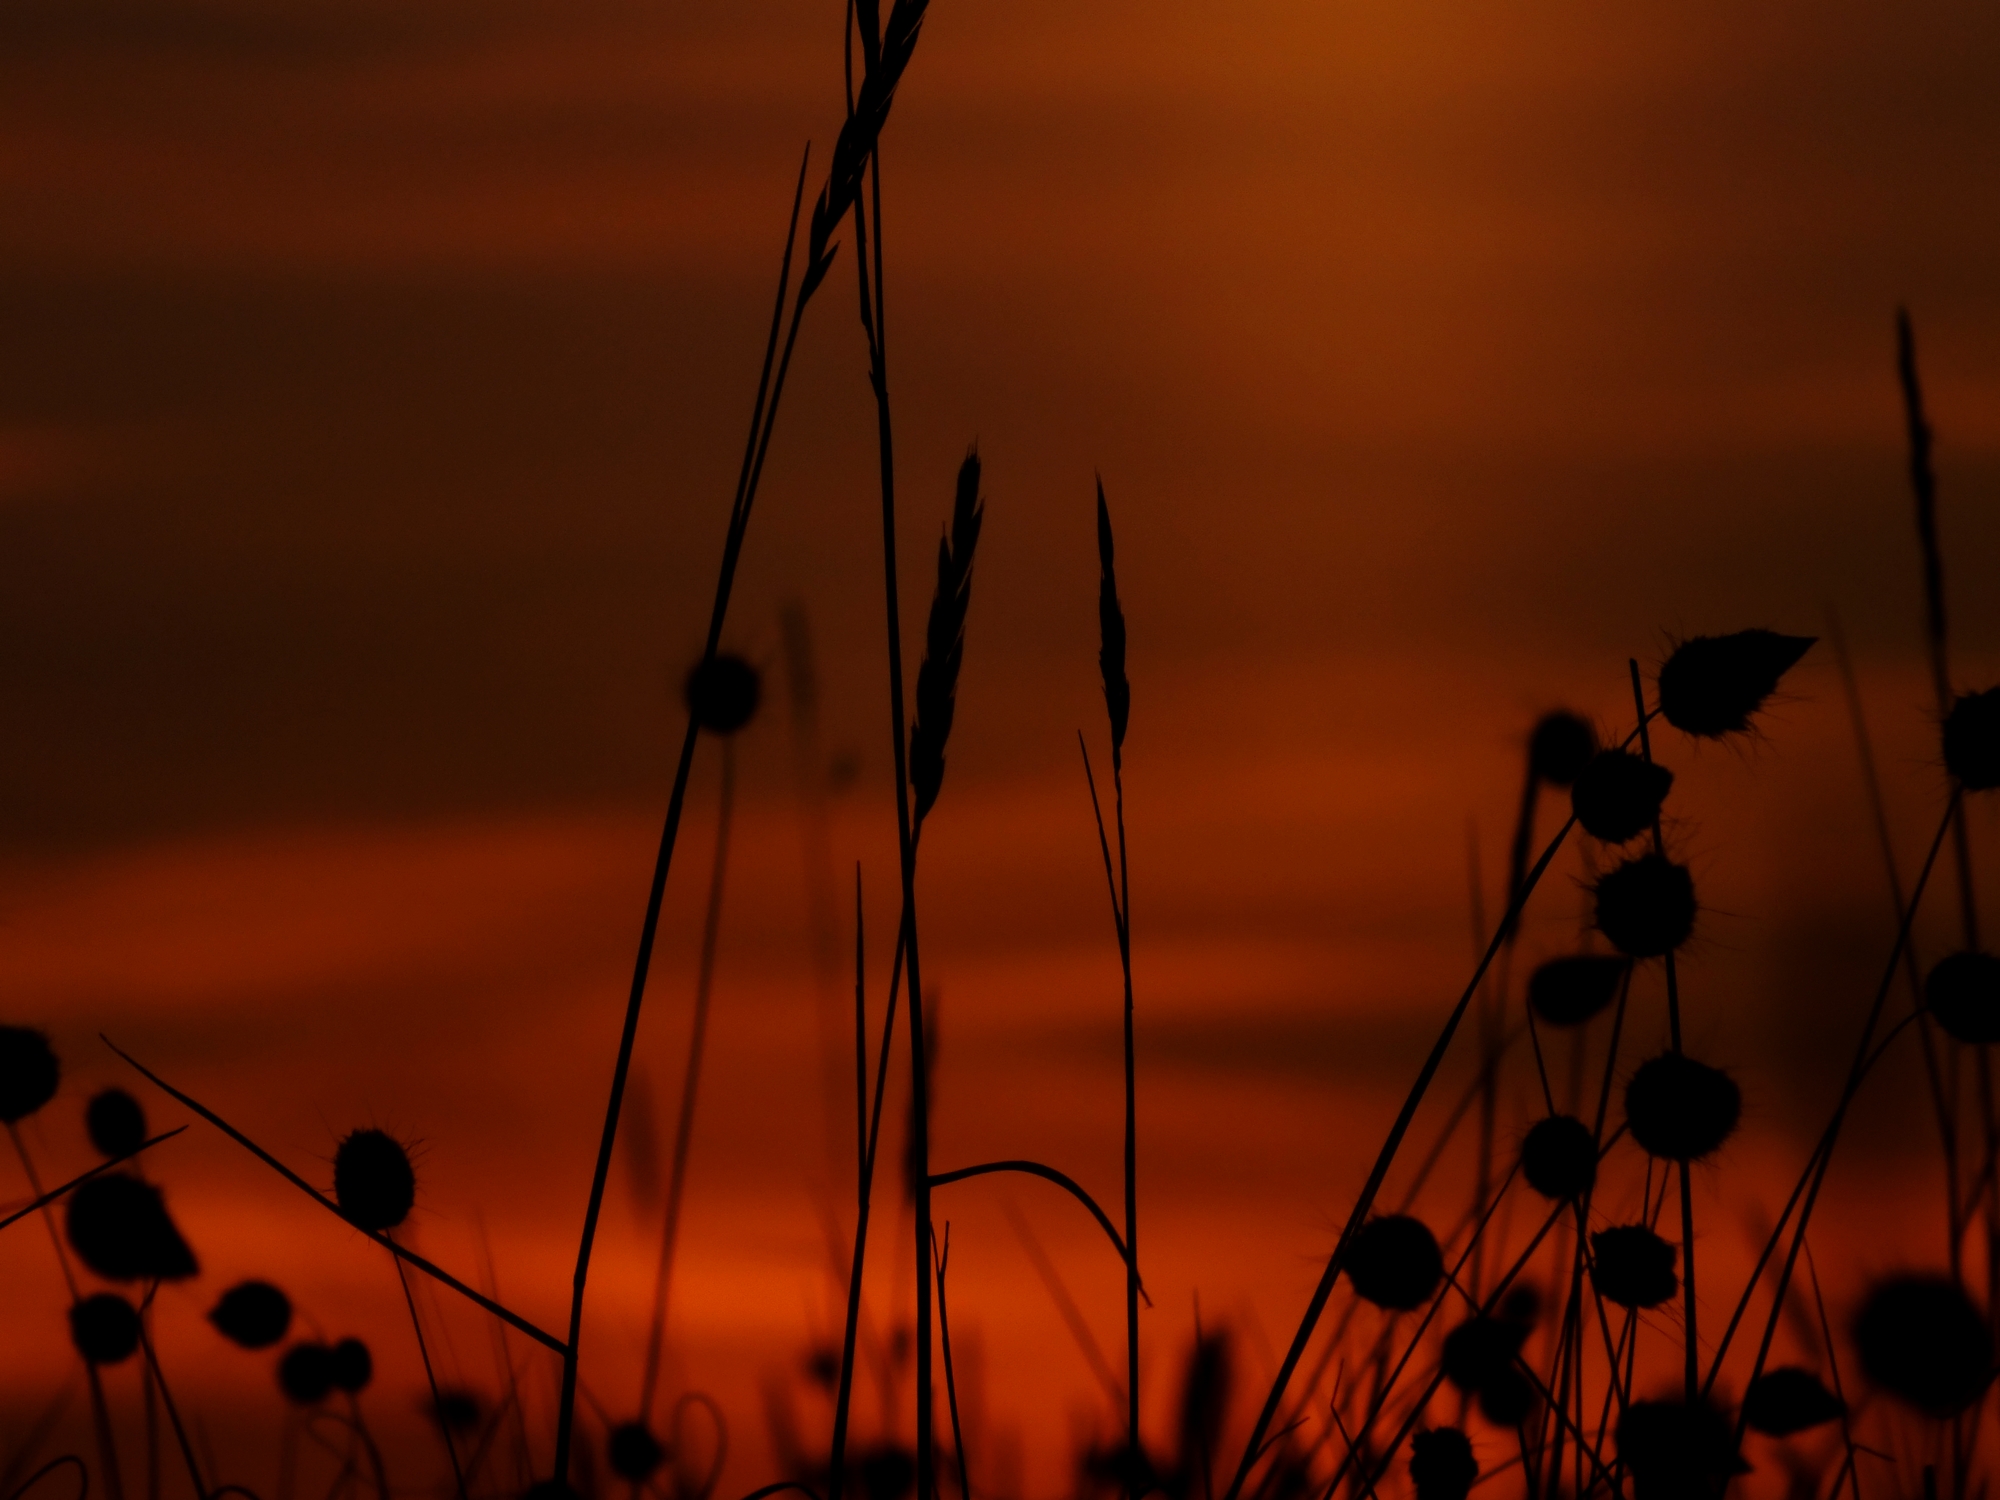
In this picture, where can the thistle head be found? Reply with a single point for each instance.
(104, 1328)
(254, 1314)
(1559, 1158)
(116, 1123)
(722, 693)
(1633, 1266)
(1646, 906)
(634, 1452)
(1963, 996)
(373, 1181)
(1681, 1109)
(1569, 991)
(350, 1366)
(1619, 795)
(1560, 747)
(119, 1227)
(305, 1374)
(1786, 1400)
(1678, 1451)
(29, 1073)
(1441, 1464)
(1480, 1350)
(1923, 1341)
(1713, 685)
(1972, 740)
(1394, 1262)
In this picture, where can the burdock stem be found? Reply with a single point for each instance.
(1689, 1346)
(690, 1085)
(763, 420)
(1253, 1446)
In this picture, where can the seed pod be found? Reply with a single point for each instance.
(1963, 996)
(1972, 740)
(29, 1073)
(254, 1314)
(104, 1328)
(1560, 748)
(351, 1368)
(722, 693)
(1646, 906)
(1633, 1266)
(372, 1180)
(1479, 1349)
(1713, 684)
(1507, 1398)
(1681, 1109)
(305, 1374)
(634, 1452)
(1569, 991)
(1559, 1158)
(1619, 795)
(116, 1123)
(1442, 1465)
(1787, 1400)
(1394, 1262)
(1678, 1452)
(120, 1228)
(1922, 1340)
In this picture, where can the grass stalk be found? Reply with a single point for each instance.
(430, 1378)
(941, 1259)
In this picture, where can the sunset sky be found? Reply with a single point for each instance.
(373, 379)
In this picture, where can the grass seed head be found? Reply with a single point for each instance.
(373, 1181)
(1646, 906)
(120, 1228)
(1972, 740)
(1442, 1465)
(1963, 996)
(1921, 1339)
(116, 1123)
(1787, 1400)
(254, 1314)
(944, 640)
(1681, 1109)
(1559, 1158)
(1714, 684)
(1633, 1266)
(29, 1073)
(1394, 1262)
(1111, 632)
(722, 693)
(352, 1366)
(1619, 794)
(1678, 1451)
(104, 1328)
(634, 1452)
(1569, 991)
(1560, 748)
(305, 1374)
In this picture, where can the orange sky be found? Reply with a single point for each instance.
(371, 385)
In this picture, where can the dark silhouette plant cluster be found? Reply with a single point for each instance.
(1425, 1359)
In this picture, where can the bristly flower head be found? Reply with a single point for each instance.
(1681, 1109)
(1441, 1464)
(1922, 1340)
(1619, 794)
(1963, 996)
(1569, 991)
(1972, 740)
(1111, 634)
(634, 1452)
(254, 1314)
(1678, 1451)
(944, 639)
(120, 1228)
(1394, 1262)
(1646, 906)
(1560, 748)
(305, 1374)
(116, 1123)
(29, 1073)
(1559, 1158)
(722, 693)
(352, 1366)
(1633, 1266)
(104, 1328)
(373, 1181)
(1713, 684)
(1786, 1400)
